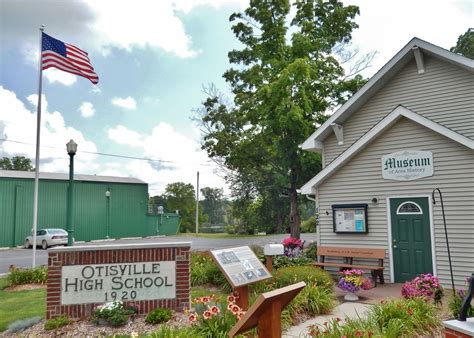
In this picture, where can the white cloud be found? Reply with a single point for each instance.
(182, 158)
(123, 135)
(187, 5)
(17, 123)
(56, 75)
(87, 109)
(387, 26)
(140, 23)
(127, 103)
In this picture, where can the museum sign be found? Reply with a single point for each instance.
(407, 165)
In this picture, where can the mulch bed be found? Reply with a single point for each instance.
(25, 287)
(85, 328)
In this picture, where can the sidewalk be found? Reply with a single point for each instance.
(348, 309)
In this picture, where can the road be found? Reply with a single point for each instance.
(23, 257)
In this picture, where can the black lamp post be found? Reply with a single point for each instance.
(71, 147)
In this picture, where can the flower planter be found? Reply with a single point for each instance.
(351, 297)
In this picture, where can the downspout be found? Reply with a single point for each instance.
(318, 232)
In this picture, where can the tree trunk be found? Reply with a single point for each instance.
(294, 212)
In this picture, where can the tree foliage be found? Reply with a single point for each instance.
(465, 44)
(181, 196)
(283, 81)
(16, 163)
(213, 204)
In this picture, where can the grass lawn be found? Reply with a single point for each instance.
(17, 305)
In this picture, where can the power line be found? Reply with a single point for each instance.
(111, 155)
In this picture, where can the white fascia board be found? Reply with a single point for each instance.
(312, 145)
(374, 132)
(377, 81)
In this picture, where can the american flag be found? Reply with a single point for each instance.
(66, 57)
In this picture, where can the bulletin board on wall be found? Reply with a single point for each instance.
(350, 218)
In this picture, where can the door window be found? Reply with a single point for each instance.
(410, 208)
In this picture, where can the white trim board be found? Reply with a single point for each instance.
(389, 233)
(386, 122)
(314, 142)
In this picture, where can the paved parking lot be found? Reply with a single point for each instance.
(23, 257)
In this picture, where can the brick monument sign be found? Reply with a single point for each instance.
(144, 275)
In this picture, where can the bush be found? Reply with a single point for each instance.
(56, 323)
(309, 225)
(213, 318)
(311, 251)
(230, 229)
(158, 316)
(393, 318)
(312, 300)
(455, 304)
(424, 285)
(308, 274)
(113, 314)
(19, 276)
(169, 332)
(284, 261)
(205, 271)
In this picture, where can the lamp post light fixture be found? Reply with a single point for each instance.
(71, 148)
(108, 220)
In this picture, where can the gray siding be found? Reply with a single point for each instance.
(444, 94)
(361, 179)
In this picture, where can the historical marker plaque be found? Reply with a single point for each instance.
(240, 265)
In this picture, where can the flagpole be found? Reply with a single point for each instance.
(38, 129)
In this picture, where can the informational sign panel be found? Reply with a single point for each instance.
(407, 165)
(97, 283)
(240, 265)
(350, 218)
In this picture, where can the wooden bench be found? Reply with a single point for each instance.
(348, 255)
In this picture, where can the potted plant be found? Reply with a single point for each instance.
(293, 247)
(352, 281)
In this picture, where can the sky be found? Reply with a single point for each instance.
(153, 59)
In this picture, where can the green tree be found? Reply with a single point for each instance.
(213, 204)
(283, 82)
(181, 196)
(16, 163)
(465, 44)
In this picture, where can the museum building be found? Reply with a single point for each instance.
(408, 131)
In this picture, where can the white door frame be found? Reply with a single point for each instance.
(389, 231)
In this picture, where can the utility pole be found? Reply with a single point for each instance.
(197, 204)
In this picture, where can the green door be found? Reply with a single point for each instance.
(411, 240)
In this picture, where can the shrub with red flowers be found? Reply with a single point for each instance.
(293, 247)
(426, 286)
(213, 317)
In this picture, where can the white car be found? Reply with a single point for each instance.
(47, 238)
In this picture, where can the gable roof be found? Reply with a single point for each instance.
(314, 142)
(362, 142)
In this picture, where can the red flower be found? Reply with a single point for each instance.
(358, 333)
(215, 309)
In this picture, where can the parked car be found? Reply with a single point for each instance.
(47, 238)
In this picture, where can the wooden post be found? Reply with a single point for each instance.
(243, 300)
(269, 323)
(269, 263)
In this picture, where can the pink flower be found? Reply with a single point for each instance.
(215, 310)
(207, 314)
(193, 317)
(231, 299)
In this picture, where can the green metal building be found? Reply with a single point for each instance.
(104, 207)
